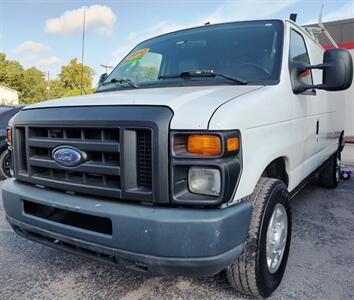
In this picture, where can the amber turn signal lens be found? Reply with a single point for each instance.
(233, 144)
(204, 144)
(9, 136)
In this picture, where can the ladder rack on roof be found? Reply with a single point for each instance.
(316, 31)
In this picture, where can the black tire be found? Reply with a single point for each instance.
(330, 175)
(4, 165)
(250, 274)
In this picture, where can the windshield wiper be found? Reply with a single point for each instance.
(204, 73)
(122, 80)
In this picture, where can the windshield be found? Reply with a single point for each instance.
(250, 51)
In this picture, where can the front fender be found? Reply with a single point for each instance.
(269, 130)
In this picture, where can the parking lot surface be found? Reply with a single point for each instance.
(320, 266)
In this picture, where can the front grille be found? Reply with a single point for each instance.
(127, 150)
(100, 174)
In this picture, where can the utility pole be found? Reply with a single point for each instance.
(106, 67)
(48, 85)
(83, 49)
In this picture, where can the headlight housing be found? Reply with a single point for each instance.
(205, 166)
(9, 136)
(208, 145)
(9, 130)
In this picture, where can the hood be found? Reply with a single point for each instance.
(192, 106)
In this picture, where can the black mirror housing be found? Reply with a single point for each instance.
(102, 79)
(296, 68)
(337, 70)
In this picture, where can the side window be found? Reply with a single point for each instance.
(298, 52)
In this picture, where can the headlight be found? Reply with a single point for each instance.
(205, 166)
(205, 181)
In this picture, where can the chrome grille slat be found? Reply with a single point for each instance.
(88, 167)
(81, 144)
(97, 190)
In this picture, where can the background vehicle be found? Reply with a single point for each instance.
(184, 161)
(6, 113)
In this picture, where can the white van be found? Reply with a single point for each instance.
(184, 160)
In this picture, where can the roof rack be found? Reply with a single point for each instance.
(316, 31)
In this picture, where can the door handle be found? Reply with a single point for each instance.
(317, 127)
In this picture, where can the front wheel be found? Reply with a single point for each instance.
(260, 267)
(5, 165)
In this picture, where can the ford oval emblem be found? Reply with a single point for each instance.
(68, 156)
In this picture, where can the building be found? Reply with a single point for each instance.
(342, 32)
(8, 96)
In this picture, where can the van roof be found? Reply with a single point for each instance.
(212, 24)
(240, 21)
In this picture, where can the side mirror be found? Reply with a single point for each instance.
(102, 79)
(337, 72)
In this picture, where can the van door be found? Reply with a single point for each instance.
(328, 106)
(305, 106)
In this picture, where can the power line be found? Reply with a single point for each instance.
(106, 67)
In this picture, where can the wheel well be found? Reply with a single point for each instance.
(2, 149)
(277, 169)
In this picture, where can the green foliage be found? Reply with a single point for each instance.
(33, 86)
(2, 57)
(75, 75)
(77, 92)
(11, 74)
(147, 74)
(56, 89)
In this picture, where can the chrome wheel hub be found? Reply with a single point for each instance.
(277, 234)
(338, 169)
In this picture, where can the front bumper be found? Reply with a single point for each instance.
(157, 240)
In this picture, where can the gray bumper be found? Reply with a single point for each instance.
(166, 241)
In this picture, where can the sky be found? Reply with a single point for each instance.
(47, 34)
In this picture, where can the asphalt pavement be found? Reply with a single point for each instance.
(320, 266)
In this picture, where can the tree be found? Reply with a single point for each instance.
(30, 82)
(77, 92)
(35, 86)
(56, 89)
(76, 76)
(11, 73)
